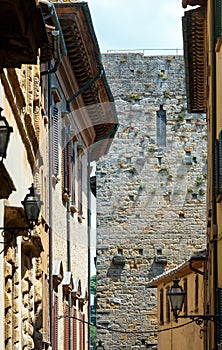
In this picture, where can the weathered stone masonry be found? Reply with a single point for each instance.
(151, 192)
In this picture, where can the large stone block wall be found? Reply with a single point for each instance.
(151, 199)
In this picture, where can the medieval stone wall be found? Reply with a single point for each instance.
(151, 194)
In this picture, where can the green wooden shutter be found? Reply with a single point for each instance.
(218, 26)
(219, 312)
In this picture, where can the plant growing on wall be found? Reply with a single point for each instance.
(167, 94)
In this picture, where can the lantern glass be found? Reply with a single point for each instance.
(32, 205)
(176, 296)
(5, 131)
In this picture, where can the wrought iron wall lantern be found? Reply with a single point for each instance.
(32, 205)
(176, 296)
(5, 131)
(100, 346)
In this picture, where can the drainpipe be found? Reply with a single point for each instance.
(89, 243)
(86, 86)
(56, 23)
(214, 136)
(50, 208)
(69, 268)
(56, 52)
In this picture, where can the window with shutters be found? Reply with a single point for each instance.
(219, 312)
(69, 167)
(74, 329)
(161, 127)
(185, 299)
(218, 167)
(167, 306)
(82, 332)
(66, 327)
(196, 290)
(80, 175)
(161, 307)
(55, 140)
(55, 323)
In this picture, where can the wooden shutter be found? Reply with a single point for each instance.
(218, 26)
(216, 169)
(167, 306)
(161, 307)
(82, 332)
(220, 162)
(73, 175)
(80, 181)
(74, 330)
(55, 140)
(219, 312)
(55, 323)
(66, 327)
(185, 299)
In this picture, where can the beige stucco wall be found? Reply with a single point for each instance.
(187, 336)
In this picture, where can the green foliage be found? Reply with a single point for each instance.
(201, 192)
(199, 181)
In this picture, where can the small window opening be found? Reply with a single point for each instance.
(181, 215)
(159, 251)
(128, 160)
(140, 251)
(120, 251)
(161, 127)
(188, 153)
(194, 195)
(159, 160)
(131, 197)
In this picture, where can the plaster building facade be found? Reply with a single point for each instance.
(55, 96)
(202, 27)
(151, 194)
(183, 333)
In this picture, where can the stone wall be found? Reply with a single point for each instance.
(151, 194)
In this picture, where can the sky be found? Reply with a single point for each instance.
(137, 24)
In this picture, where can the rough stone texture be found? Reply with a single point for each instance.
(151, 198)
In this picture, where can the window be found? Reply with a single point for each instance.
(161, 127)
(161, 307)
(196, 290)
(185, 299)
(80, 175)
(218, 26)
(66, 327)
(167, 306)
(218, 165)
(55, 321)
(219, 312)
(55, 141)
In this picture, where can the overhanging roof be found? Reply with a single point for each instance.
(181, 270)
(194, 37)
(85, 60)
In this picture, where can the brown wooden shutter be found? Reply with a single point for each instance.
(66, 327)
(74, 330)
(55, 323)
(219, 312)
(167, 306)
(80, 181)
(161, 307)
(55, 140)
